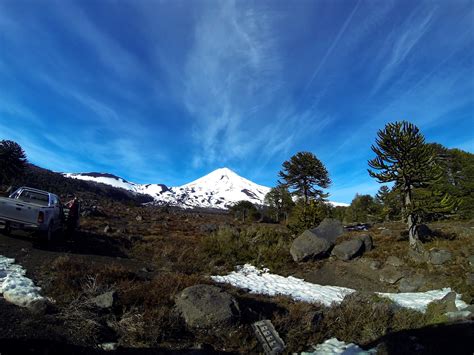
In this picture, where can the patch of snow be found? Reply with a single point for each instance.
(420, 300)
(263, 282)
(334, 346)
(339, 204)
(15, 286)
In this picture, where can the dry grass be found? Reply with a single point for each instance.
(181, 253)
(363, 318)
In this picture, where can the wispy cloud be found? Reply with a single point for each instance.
(401, 42)
(231, 73)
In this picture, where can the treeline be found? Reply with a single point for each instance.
(450, 196)
(300, 202)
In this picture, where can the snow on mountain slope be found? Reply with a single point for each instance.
(104, 178)
(218, 189)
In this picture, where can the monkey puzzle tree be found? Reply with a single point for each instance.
(304, 173)
(279, 201)
(403, 157)
(12, 160)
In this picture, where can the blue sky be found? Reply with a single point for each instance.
(166, 91)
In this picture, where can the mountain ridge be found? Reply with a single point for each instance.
(219, 189)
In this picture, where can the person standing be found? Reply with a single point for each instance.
(73, 216)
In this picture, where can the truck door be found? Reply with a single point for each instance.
(25, 211)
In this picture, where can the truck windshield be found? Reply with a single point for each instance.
(34, 197)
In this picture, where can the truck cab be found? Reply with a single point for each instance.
(31, 209)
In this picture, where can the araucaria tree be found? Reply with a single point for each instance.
(280, 203)
(306, 176)
(403, 157)
(12, 160)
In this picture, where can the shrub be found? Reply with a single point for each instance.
(258, 245)
(306, 216)
(363, 318)
(245, 211)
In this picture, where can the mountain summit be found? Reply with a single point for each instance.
(219, 189)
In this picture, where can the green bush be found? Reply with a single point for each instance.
(307, 215)
(258, 245)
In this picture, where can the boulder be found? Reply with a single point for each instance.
(309, 246)
(390, 275)
(470, 279)
(471, 261)
(39, 306)
(424, 232)
(207, 307)
(411, 284)
(386, 233)
(418, 255)
(439, 256)
(367, 240)
(329, 229)
(208, 228)
(105, 300)
(348, 250)
(375, 265)
(444, 305)
(394, 261)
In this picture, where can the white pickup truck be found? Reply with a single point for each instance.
(31, 209)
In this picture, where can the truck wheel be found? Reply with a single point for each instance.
(47, 235)
(7, 230)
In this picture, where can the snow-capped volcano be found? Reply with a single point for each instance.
(218, 189)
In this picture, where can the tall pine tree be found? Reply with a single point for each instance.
(403, 157)
(306, 175)
(12, 161)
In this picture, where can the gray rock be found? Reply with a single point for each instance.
(444, 305)
(329, 229)
(105, 300)
(458, 315)
(375, 265)
(390, 275)
(386, 233)
(439, 256)
(424, 232)
(367, 240)
(108, 346)
(107, 229)
(207, 307)
(394, 261)
(348, 250)
(309, 246)
(208, 228)
(139, 218)
(471, 261)
(470, 279)
(469, 308)
(39, 306)
(411, 284)
(450, 301)
(418, 256)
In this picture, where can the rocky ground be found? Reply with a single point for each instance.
(128, 278)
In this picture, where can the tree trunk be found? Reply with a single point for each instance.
(416, 248)
(412, 234)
